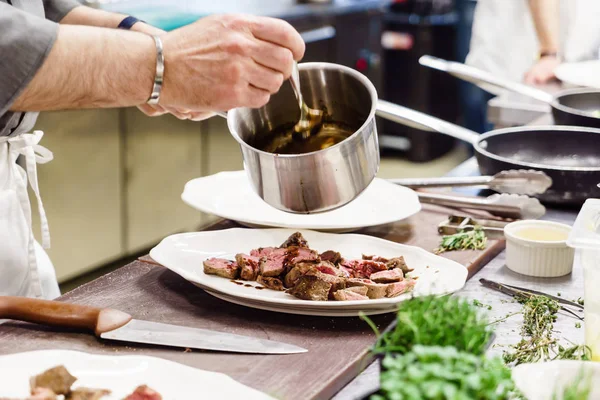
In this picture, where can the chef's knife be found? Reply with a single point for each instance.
(113, 324)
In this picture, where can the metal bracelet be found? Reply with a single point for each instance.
(160, 70)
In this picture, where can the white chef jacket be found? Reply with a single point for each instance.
(504, 40)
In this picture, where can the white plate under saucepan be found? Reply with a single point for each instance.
(184, 254)
(229, 195)
(539, 381)
(121, 375)
(583, 73)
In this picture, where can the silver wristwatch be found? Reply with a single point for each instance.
(160, 71)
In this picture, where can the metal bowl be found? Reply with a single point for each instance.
(322, 180)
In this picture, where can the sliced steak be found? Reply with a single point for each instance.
(359, 289)
(271, 283)
(295, 239)
(391, 275)
(332, 256)
(291, 278)
(57, 379)
(301, 254)
(337, 283)
(375, 258)
(144, 393)
(88, 394)
(248, 266)
(397, 288)
(398, 262)
(374, 290)
(362, 268)
(328, 268)
(221, 267)
(311, 287)
(274, 264)
(347, 295)
(262, 251)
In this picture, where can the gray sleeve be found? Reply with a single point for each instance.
(57, 9)
(25, 42)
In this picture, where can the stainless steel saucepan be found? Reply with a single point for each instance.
(322, 180)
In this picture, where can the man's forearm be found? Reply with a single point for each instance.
(546, 19)
(92, 67)
(93, 17)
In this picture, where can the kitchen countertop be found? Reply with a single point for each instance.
(170, 15)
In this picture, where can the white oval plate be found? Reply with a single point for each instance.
(121, 375)
(539, 381)
(583, 73)
(229, 195)
(184, 254)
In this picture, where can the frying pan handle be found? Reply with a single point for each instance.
(64, 315)
(419, 120)
(483, 78)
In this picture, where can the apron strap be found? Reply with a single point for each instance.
(27, 145)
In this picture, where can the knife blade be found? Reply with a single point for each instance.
(111, 324)
(157, 333)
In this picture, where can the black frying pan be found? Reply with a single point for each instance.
(567, 154)
(577, 107)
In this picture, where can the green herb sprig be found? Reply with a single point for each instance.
(467, 240)
(538, 343)
(433, 372)
(436, 321)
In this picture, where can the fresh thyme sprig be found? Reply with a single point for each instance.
(466, 240)
(537, 342)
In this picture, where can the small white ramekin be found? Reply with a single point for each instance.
(535, 257)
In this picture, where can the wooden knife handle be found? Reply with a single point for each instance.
(65, 315)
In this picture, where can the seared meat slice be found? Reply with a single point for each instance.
(274, 263)
(262, 251)
(221, 267)
(87, 394)
(296, 239)
(347, 294)
(358, 289)
(374, 290)
(375, 258)
(332, 256)
(144, 393)
(328, 268)
(311, 287)
(57, 379)
(391, 275)
(296, 272)
(397, 288)
(398, 262)
(362, 268)
(301, 254)
(248, 266)
(337, 283)
(271, 283)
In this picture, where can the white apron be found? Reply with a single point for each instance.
(25, 268)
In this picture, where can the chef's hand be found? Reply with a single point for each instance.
(542, 71)
(155, 110)
(227, 61)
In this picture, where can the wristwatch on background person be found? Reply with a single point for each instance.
(126, 24)
(552, 54)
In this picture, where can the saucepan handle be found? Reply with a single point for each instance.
(419, 120)
(483, 78)
(64, 315)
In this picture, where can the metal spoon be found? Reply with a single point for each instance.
(309, 117)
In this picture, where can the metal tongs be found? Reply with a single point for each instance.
(456, 223)
(516, 291)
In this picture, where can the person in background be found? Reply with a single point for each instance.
(58, 54)
(525, 40)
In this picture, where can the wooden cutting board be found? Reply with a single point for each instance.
(338, 347)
